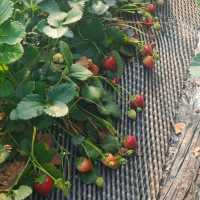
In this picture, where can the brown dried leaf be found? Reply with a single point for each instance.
(196, 152)
(10, 173)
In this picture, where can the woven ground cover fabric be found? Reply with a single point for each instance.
(140, 178)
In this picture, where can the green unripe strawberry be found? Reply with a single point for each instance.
(138, 109)
(92, 93)
(100, 182)
(132, 114)
(156, 26)
(58, 58)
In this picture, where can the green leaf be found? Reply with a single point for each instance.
(55, 172)
(74, 15)
(110, 109)
(6, 10)
(195, 66)
(3, 155)
(49, 6)
(65, 93)
(63, 185)
(39, 152)
(111, 144)
(89, 178)
(92, 150)
(65, 50)
(11, 33)
(10, 53)
(77, 139)
(6, 88)
(120, 63)
(29, 107)
(56, 109)
(79, 72)
(22, 193)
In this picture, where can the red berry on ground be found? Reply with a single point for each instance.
(45, 187)
(151, 8)
(84, 165)
(149, 62)
(148, 22)
(130, 142)
(110, 63)
(138, 101)
(147, 50)
(111, 161)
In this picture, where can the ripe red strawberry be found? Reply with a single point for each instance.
(138, 101)
(151, 8)
(148, 22)
(110, 63)
(130, 142)
(44, 186)
(147, 50)
(111, 161)
(84, 165)
(149, 62)
(94, 69)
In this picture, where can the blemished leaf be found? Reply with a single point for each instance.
(65, 50)
(3, 196)
(56, 19)
(99, 8)
(65, 93)
(79, 72)
(6, 10)
(74, 15)
(54, 32)
(10, 53)
(111, 144)
(29, 107)
(57, 109)
(11, 33)
(22, 192)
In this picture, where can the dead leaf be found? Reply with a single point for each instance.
(2, 116)
(196, 152)
(179, 127)
(9, 174)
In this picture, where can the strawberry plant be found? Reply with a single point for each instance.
(64, 66)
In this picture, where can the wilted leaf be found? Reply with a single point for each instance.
(179, 127)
